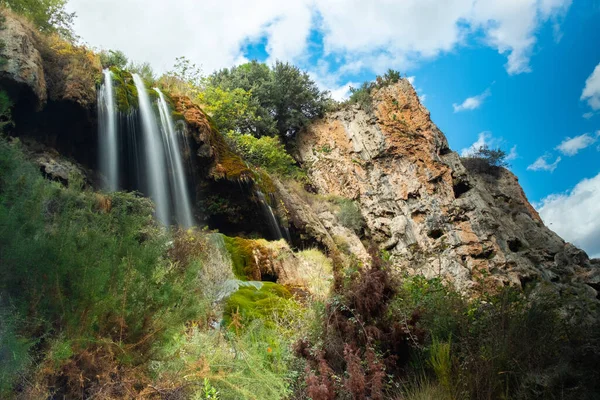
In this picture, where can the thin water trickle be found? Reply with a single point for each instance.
(268, 211)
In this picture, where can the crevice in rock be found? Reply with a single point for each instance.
(444, 150)
(484, 255)
(435, 233)
(460, 188)
(515, 245)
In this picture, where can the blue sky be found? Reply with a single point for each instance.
(518, 74)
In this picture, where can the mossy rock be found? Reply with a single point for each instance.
(249, 303)
(126, 94)
(245, 256)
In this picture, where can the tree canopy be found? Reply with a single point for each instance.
(283, 98)
(47, 15)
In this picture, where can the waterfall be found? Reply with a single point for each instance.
(183, 209)
(107, 133)
(155, 168)
(268, 211)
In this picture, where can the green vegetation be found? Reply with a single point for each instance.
(486, 161)
(144, 70)
(266, 152)
(113, 58)
(5, 111)
(126, 95)
(250, 303)
(431, 341)
(47, 15)
(349, 215)
(278, 100)
(363, 95)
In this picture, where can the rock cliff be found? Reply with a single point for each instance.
(430, 213)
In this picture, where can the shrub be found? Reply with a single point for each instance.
(73, 267)
(486, 161)
(350, 216)
(363, 95)
(266, 152)
(113, 58)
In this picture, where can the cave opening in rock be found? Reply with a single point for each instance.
(460, 188)
(515, 245)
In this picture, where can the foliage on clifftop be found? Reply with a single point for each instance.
(49, 16)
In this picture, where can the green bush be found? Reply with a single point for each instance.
(363, 95)
(14, 351)
(266, 152)
(506, 345)
(113, 58)
(88, 266)
(350, 216)
(486, 160)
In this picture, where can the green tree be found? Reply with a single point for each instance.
(144, 70)
(231, 110)
(286, 98)
(296, 99)
(47, 15)
(113, 58)
(255, 78)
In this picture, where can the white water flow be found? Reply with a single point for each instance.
(268, 211)
(107, 133)
(158, 185)
(183, 209)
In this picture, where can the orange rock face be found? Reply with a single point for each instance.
(425, 208)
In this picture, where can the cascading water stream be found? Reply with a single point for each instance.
(183, 209)
(107, 124)
(268, 211)
(155, 172)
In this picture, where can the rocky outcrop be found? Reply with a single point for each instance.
(21, 69)
(54, 166)
(430, 213)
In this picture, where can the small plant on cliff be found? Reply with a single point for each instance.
(486, 160)
(363, 95)
(350, 216)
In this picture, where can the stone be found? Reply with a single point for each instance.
(22, 73)
(420, 203)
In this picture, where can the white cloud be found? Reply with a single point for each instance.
(591, 91)
(512, 155)
(483, 139)
(541, 164)
(364, 35)
(571, 146)
(472, 103)
(343, 92)
(588, 115)
(575, 215)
